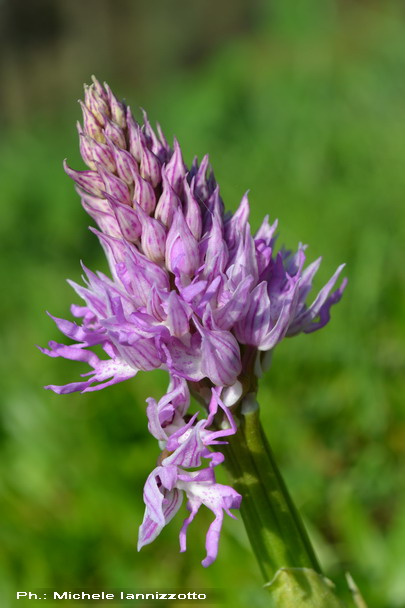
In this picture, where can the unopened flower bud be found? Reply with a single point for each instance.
(144, 194)
(167, 204)
(126, 165)
(175, 169)
(117, 108)
(90, 181)
(114, 185)
(115, 133)
(150, 168)
(192, 210)
(91, 126)
(182, 255)
(153, 236)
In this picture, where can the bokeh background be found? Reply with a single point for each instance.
(303, 103)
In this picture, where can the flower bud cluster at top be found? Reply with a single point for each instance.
(192, 292)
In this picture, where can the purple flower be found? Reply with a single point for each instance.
(192, 291)
(185, 444)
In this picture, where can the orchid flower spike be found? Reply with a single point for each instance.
(192, 291)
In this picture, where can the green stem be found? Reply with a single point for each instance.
(273, 524)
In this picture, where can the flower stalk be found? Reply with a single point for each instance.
(275, 529)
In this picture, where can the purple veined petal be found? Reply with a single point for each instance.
(107, 372)
(155, 421)
(90, 125)
(182, 256)
(201, 188)
(90, 181)
(73, 352)
(114, 134)
(99, 89)
(106, 221)
(324, 313)
(178, 315)
(182, 359)
(164, 420)
(152, 140)
(138, 353)
(83, 312)
(263, 257)
(220, 355)
(191, 292)
(150, 167)
(235, 308)
(144, 194)
(117, 108)
(216, 256)
(209, 297)
(187, 453)
(115, 249)
(153, 498)
(115, 186)
(143, 273)
(93, 202)
(96, 104)
(306, 282)
(213, 207)
(80, 334)
(154, 305)
(101, 285)
(286, 314)
(167, 204)
(153, 236)
(127, 219)
(94, 302)
(237, 222)
(192, 211)
(165, 151)
(175, 169)
(159, 509)
(181, 436)
(303, 321)
(294, 262)
(94, 152)
(86, 150)
(125, 164)
(173, 404)
(193, 169)
(266, 231)
(168, 477)
(146, 326)
(216, 402)
(178, 393)
(243, 262)
(277, 281)
(255, 325)
(134, 136)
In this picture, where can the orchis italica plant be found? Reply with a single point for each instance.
(194, 292)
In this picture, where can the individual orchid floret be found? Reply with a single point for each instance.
(192, 291)
(185, 445)
(182, 255)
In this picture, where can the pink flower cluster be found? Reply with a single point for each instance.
(192, 291)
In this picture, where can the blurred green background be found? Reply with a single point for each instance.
(303, 103)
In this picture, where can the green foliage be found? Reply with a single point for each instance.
(312, 120)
